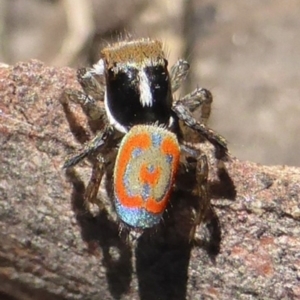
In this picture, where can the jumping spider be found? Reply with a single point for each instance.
(142, 122)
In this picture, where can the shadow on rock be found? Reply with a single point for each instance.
(100, 231)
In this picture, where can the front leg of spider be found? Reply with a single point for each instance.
(89, 83)
(217, 140)
(88, 104)
(93, 91)
(200, 97)
(178, 74)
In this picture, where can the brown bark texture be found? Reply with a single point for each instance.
(51, 247)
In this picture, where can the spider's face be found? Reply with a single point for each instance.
(138, 89)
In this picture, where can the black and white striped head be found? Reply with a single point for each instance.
(138, 88)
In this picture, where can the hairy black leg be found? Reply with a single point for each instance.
(91, 147)
(87, 77)
(203, 212)
(201, 192)
(217, 140)
(88, 104)
(198, 162)
(93, 91)
(200, 97)
(91, 191)
(178, 74)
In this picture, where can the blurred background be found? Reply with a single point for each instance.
(246, 52)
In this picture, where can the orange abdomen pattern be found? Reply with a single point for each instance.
(144, 174)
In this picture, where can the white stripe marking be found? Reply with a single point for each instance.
(145, 91)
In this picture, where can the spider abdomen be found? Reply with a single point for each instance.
(144, 174)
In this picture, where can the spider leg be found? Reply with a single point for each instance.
(88, 104)
(91, 147)
(217, 140)
(199, 97)
(89, 83)
(93, 90)
(201, 192)
(91, 191)
(178, 73)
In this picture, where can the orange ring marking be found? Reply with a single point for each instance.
(143, 141)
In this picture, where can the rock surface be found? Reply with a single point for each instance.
(52, 248)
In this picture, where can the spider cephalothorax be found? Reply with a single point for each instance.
(137, 90)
